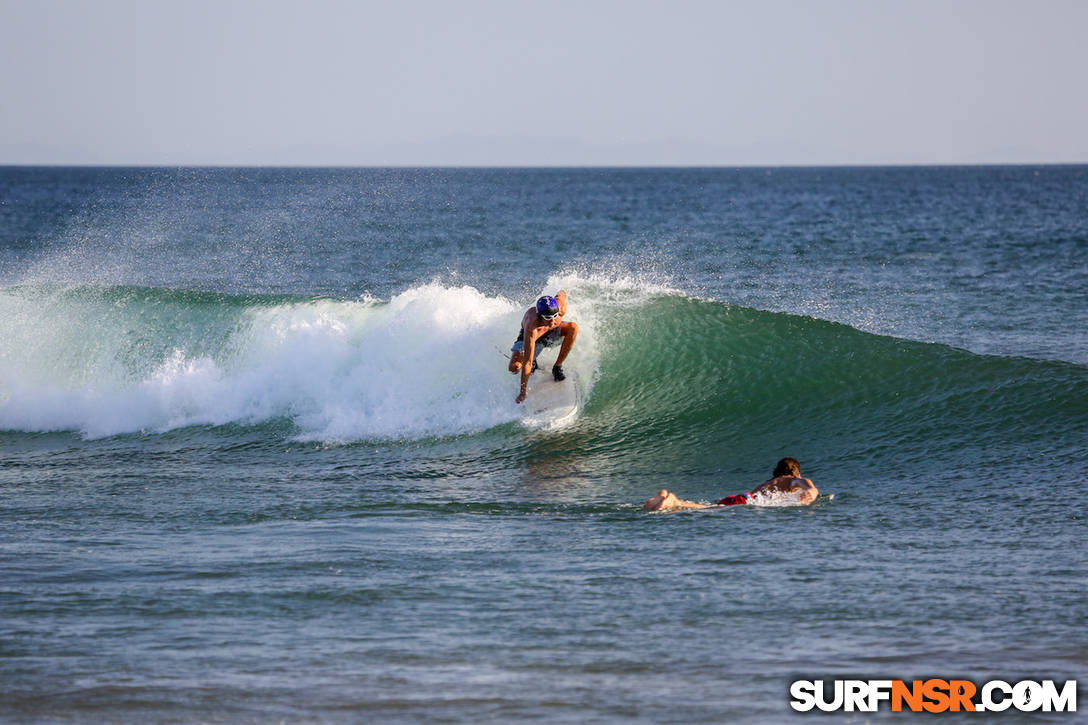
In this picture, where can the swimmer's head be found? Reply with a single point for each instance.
(787, 467)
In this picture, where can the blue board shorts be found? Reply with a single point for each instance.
(549, 338)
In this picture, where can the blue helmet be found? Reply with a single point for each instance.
(547, 308)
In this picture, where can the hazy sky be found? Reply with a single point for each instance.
(526, 83)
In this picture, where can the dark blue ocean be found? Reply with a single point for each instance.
(260, 459)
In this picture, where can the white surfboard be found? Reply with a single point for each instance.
(550, 404)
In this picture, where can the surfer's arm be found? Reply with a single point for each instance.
(561, 298)
(809, 492)
(528, 350)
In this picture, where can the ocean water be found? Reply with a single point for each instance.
(260, 459)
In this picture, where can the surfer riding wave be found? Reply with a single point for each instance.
(542, 326)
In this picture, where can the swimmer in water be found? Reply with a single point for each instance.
(786, 478)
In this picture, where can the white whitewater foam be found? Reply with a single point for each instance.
(429, 362)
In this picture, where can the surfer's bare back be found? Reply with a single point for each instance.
(542, 326)
(786, 479)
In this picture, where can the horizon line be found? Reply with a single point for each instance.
(749, 165)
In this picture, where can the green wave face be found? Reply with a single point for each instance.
(711, 384)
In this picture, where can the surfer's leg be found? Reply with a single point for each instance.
(569, 331)
(666, 500)
(658, 501)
